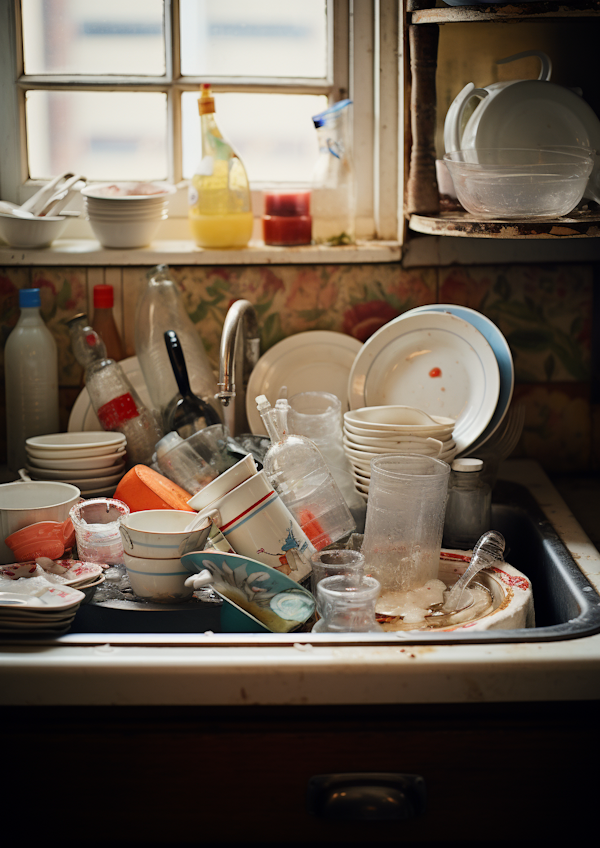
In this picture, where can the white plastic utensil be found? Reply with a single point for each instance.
(61, 197)
(38, 200)
(12, 209)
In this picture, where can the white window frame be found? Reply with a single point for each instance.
(365, 63)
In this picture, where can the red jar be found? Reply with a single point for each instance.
(287, 219)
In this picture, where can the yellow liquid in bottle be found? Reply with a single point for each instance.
(232, 229)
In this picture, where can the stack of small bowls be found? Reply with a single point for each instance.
(373, 431)
(126, 215)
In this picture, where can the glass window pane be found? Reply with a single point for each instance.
(274, 38)
(88, 37)
(104, 135)
(272, 133)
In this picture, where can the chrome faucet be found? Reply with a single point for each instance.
(240, 351)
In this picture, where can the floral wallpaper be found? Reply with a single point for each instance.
(544, 311)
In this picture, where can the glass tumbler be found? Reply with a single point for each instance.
(347, 605)
(405, 520)
(336, 563)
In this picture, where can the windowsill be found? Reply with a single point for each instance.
(90, 253)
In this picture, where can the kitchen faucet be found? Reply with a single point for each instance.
(240, 351)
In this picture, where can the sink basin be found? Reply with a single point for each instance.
(566, 604)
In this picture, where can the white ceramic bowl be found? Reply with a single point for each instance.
(104, 476)
(393, 440)
(155, 533)
(31, 232)
(383, 431)
(125, 235)
(433, 449)
(127, 192)
(224, 483)
(87, 463)
(395, 415)
(159, 580)
(118, 217)
(24, 503)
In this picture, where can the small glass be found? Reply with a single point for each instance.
(96, 524)
(347, 605)
(335, 564)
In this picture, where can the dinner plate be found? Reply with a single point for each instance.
(113, 459)
(434, 361)
(68, 454)
(75, 441)
(503, 355)
(315, 361)
(75, 476)
(82, 483)
(82, 415)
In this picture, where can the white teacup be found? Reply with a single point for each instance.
(257, 524)
(161, 534)
(159, 580)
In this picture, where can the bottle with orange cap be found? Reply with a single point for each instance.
(220, 212)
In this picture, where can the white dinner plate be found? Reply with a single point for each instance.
(74, 476)
(75, 441)
(80, 454)
(89, 463)
(503, 355)
(91, 482)
(315, 361)
(83, 417)
(434, 361)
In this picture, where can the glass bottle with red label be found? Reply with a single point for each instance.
(115, 401)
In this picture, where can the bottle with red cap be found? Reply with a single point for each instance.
(104, 321)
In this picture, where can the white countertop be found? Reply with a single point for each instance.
(305, 673)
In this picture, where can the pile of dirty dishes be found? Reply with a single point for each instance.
(126, 215)
(94, 462)
(374, 431)
(37, 602)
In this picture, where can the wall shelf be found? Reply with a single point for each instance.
(505, 13)
(576, 225)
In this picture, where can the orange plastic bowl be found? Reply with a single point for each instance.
(45, 538)
(144, 488)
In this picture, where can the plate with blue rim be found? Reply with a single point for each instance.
(434, 361)
(265, 595)
(503, 355)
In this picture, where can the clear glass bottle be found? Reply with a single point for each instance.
(220, 211)
(333, 185)
(160, 309)
(104, 323)
(468, 511)
(31, 379)
(347, 605)
(300, 476)
(115, 401)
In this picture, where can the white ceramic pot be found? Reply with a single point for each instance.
(23, 503)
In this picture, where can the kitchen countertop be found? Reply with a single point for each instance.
(307, 674)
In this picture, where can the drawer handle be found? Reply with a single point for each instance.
(366, 796)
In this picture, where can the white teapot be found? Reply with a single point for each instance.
(525, 113)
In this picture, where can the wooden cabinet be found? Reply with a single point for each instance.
(572, 30)
(493, 773)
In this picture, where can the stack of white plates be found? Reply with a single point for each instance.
(92, 461)
(126, 215)
(374, 431)
(32, 602)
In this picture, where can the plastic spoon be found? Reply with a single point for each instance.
(13, 209)
(488, 550)
(37, 201)
(188, 413)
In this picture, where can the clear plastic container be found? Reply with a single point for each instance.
(468, 511)
(300, 476)
(96, 524)
(347, 605)
(31, 379)
(334, 191)
(115, 401)
(220, 211)
(160, 309)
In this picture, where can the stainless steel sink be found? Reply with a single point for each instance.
(566, 604)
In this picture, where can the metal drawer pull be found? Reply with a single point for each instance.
(366, 796)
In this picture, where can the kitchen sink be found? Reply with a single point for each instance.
(567, 606)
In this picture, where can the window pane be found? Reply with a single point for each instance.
(88, 37)
(103, 135)
(272, 133)
(278, 38)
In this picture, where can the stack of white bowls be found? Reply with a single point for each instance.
(126, 215)
(373, 431)
(94, 462)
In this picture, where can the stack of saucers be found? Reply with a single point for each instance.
(126, 215)
(32, 603)
(92, 461)
(377, 430)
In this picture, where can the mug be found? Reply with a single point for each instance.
(257, 524)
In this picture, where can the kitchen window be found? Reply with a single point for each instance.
(110, 90)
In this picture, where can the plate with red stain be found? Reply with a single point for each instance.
(434, 361)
